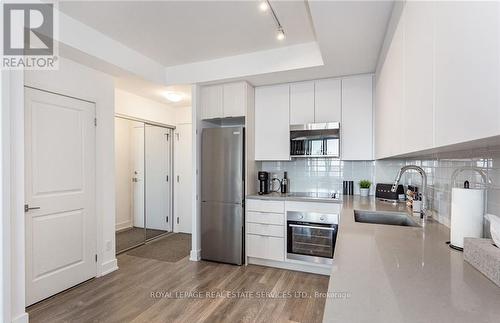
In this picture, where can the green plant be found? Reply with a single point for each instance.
(365, 183)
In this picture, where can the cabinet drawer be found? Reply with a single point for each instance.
(266, 218)
(265, 206)
(331, 208)
(265, 229)
(264, 247)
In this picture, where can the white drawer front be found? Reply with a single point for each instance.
(264, 247)
(265, 206)
(331, 208)
(266, 218)
(266, 229)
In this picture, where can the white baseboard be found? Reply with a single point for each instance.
(123, 225)
(23, 318)
(314, 269)
(195, 255)
(108, 267)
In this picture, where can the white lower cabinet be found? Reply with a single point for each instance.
(265, 247)
(266, 232)
(265, 229)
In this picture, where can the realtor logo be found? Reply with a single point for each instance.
(28, 36)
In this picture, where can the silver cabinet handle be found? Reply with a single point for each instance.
(27, 208)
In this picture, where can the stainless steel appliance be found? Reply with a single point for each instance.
(263, 183)
(222, 194)
(315, 140)
(311, 236)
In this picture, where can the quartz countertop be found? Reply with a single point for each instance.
(296, 196)
(386, 273)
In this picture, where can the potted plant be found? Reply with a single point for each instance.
(364, 187)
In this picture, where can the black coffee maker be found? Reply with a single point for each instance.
(263, 183)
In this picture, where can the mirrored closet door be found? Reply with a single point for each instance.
(143, 163)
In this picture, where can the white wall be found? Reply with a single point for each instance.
(82, 82)
(139, 107)
(5, 226)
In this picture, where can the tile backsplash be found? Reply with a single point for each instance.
(327, 175)
(321, 174)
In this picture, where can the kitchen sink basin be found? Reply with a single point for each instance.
(388, 218)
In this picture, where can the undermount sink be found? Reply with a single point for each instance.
(388, 218)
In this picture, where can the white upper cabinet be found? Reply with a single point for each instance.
(357, 118)
(418, 81)
(235, 99)
(272, 122)
(466, 71)
(439, 82)
(224, 100)
(211, 101)
(327, 100)
(390, 99)
(302, 102)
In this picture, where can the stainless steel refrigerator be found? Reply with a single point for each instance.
(222, 194)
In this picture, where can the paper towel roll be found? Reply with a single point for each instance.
(467, 212)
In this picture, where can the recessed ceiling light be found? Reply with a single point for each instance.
(173, 96)
(280, 35)
(263, 6)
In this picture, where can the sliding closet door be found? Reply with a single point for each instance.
(129, 183)
(158, 180)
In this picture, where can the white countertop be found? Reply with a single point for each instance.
(403, 274)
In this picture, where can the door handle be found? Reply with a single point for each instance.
(27, 208)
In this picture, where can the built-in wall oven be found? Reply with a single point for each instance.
(311, 236)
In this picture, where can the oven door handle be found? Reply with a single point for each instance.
(311, 227)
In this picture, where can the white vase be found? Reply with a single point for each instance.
(364, 191)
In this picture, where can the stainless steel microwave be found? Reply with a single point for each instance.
(315, 140)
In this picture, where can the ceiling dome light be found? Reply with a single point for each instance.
(263, 6)
(173, 96)
(280, 35)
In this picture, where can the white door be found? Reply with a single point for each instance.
(158, 179)
(183, 187)
(60, 184)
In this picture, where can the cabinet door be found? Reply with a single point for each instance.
(466, 71)
(418, 110)
(357, 118)
(235, 99)
(327, 100)
(302, 102)
(390, 99)
(265, 247)
(272, 122)
(211, 102)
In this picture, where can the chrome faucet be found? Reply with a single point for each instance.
(424, 183)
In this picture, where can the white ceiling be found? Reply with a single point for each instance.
(154, 91)
(181, 32)
(349, 35)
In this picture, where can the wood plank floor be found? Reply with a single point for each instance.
(126, 295)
